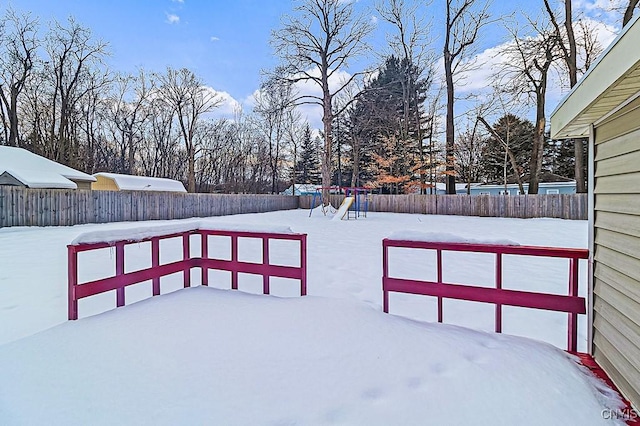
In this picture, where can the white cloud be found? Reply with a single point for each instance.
(178, 1)
(172, 18)
(374, 20)
(477, 83)
(313, 113)
(214, 38)
(228, 106)
(608, 10)
(310, 112)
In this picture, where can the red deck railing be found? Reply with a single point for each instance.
(571, 303)
(120, 280)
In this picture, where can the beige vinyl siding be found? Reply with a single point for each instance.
(104, 184)
(618, 203)
(616, 285)
(626, 377)
(619, 124)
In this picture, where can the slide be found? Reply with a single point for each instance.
(344, 208)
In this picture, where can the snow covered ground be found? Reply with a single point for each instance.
(214, 356)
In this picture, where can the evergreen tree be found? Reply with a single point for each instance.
(518, 134)
(560, 157)
(383, 124)
(308, 167)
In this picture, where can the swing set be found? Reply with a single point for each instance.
(356, 201)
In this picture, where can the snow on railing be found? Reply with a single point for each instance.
(119, 239)
(571, 303)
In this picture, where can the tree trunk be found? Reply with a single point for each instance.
(13, 119)
(192, 163)
(535, 164)
(327, 119)
(450, 136)
(628, 13)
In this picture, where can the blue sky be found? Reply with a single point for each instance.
(225, 42)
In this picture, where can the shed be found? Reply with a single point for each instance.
(119, 182)
(605, 106)
(19, 167)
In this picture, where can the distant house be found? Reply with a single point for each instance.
(605, 106)
(301, 189)
(19, 167)
(549, 184)
(461, 188)
(118, 182)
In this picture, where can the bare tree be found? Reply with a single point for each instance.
(468, 155)
(274, 101)
(464, 19)
(159, 153)
(293, 136)
(73, 56)
(128, 112)
(529, 60)
(189, 99)
(572, 46)
(18, 49)
(568, 47)
(94, 150)
(314, 44)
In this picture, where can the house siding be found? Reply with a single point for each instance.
(616, 282)
(104, 184)
(513, 189)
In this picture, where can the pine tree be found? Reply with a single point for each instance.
(518, 133)
(308, 167)
(383, 130)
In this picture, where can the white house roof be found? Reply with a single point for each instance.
(613, 80)
(571, 183)
(35, 171)
(459, 186)
(307, 188)
(143, 183)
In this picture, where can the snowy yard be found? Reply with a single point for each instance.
(213, 356)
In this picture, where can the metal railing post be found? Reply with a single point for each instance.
(498, 325)
(72, 275)
(120, 272)
(204, 270)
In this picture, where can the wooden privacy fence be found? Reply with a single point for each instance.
(120, 280)
(58, 207)
(571, 303)
(563, 206)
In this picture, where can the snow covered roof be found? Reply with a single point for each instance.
(302, 189)
(143, 183)
(35, 171)
(571, 183)
(459, 186)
